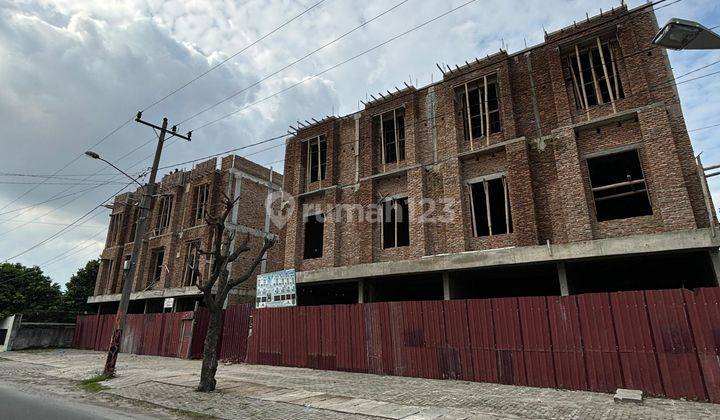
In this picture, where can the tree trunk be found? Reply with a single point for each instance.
(210, 356)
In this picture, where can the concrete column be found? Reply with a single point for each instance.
(446, 285)
(562, 279)
(361, 291)
(715, 258)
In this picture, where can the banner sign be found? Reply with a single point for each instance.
(276, 289)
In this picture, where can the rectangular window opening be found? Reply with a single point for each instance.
(200, 197)
(314, 231)
(490, 207)
(166, 204)
(192, 263)
(133, 223)
(114, 229)
(593, 73)
(158, 256)
(480, 103)
(107, 272)
(396, 223)
(618, 186)
(389, 133)
(316, 159)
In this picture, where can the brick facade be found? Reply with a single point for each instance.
(235, 175)
(542, 150)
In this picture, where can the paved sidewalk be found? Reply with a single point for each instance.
(254, 391)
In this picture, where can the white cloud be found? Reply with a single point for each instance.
(74, 69)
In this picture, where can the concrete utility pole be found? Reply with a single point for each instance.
(128, 278)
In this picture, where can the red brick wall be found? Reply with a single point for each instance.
(183, 227)
(542, 148)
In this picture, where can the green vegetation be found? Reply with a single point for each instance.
(93, 384)
(29, 291)
(80, 286)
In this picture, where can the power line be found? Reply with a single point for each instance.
(287, 22)
(36, 222)
(397, 36)
(322, 47)
(75, 159)
(421, 120)
(704, 128)
(126, 122)
(52, 210)
(70, 226)
(65, 254)
(54, 177)
(98, 183)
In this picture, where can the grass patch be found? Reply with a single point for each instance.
(93, 384)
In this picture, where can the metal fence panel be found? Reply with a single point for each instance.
(600, 345)
(481, 327)
(133, 334)
(664, 342)
(635, 343)
(537, 342)
(459, 357)
(675, 345)
(508, 339)
(236, 326)
(704, 313)
(568, 356)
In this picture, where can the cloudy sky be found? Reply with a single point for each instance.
(72, 71)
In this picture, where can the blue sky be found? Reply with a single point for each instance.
(73, 70)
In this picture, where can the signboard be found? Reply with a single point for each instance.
(168, 303)
(276, 289)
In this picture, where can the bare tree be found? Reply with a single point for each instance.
(219, 282)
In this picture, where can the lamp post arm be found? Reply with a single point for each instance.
(121, 171)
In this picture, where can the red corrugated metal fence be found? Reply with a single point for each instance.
(665, 342)
(151, 334)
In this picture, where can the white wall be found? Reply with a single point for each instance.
(6, 324)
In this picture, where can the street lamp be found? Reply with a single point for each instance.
(681, 34)
(97, 156)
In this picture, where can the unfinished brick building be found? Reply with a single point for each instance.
(177, 230)
(564, 168)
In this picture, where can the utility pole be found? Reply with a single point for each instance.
(129, 275)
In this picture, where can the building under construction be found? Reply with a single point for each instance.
(171, 264)
(565, 168)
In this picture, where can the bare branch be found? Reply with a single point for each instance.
(267, 244)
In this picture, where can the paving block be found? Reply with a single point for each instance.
(623, 395)
(439, 413)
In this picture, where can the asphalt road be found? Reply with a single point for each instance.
(22, 405)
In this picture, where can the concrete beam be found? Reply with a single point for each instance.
(188, 291)
(630, 245)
